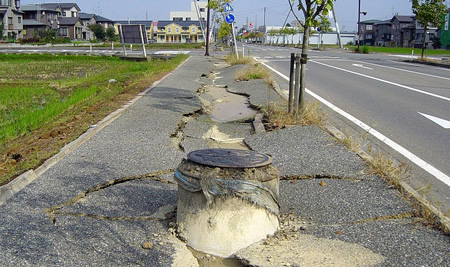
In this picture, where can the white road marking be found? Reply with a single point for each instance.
(384, 81)
(362, 66)
(415, 159)
(409, 64)
(410, 71)
(441, 122)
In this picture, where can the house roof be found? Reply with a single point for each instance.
(385, 22)
(147, 23)
(36, 8)
(103, 19)
(184, 23)
(32, 22)
(87, 16)
(371, 21)
(68, 21)
(404, 19)
(62, 5)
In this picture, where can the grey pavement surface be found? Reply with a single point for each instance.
(107, 226)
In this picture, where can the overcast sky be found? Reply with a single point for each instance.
(276, 10)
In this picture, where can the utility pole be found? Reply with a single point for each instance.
(207, 32)
(359, 27)
(337, 27)
(265, 31)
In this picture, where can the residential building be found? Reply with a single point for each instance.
(368, 31)
(403, 28)
(383, 34)
(420, 34)
(198, 12)
(11, 18)
(105, 22)
(148, 26)
(86, 20)
(37, 18)
(69, 10)
(445, 32)
(179, 32)
(70, 27)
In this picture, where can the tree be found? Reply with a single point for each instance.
(428, 13)
(111, 34)
(310, 9)
(325, 26)
(224, 30)
(1, 30)
(272, 33)
(291, 31)
(98, 31)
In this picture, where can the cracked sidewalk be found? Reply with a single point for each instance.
(101, 203)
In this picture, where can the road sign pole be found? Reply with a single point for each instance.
(234, 40)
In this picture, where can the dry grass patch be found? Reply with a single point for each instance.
(233, 60)
(277, 117)
(254, 72)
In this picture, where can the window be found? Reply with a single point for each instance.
(5, 3)
(186, 29)
(202, 10)
(74, 14)
(177, 19)
(369, 27)
(188, 19)
(368, 36)
(194, 30)
(17, 3)
(19, 20)
(161, 28)
(10, 20)
(169, 29)
(177, 29)
(63, 32)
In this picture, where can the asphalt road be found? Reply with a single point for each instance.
(405, 107)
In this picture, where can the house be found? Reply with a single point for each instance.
(70, 27)
(179, 32)
(37, 18)
(69, 10)
(32, 27)
(420, 34)
(86, 20)
(148, 26)
(403, 28)
(11, 18)
(105, 22)
(368, 31)
(383, 33)
(198, 12)
(445, 32)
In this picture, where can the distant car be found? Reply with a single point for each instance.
(151, 41)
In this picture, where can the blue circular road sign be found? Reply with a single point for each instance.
(229, 18)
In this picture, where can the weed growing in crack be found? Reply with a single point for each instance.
(253, 72)
(384, 166)
(276, 116)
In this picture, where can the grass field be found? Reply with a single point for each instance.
(403, 50)
(47, 101)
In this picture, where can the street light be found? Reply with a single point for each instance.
(359, 21)
(207, 33)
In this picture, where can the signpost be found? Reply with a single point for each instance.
(229, 18)
(133, 34)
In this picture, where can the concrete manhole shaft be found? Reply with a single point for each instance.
(227, 199)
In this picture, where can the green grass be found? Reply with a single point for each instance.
(36, 89)
(403, 50)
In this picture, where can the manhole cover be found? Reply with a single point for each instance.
(229, 158)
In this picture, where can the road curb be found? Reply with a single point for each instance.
(9, 190)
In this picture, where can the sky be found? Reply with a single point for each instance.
(276, 10)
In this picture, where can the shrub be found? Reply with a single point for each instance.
(365, 50)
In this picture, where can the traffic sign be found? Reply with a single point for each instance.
(229, 18)
(227, 8)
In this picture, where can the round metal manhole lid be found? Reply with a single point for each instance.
(229, 158)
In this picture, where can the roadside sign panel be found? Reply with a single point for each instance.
(227, 8)
(229, 18)
(133, 34)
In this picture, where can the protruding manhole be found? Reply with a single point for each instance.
(229, 158)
